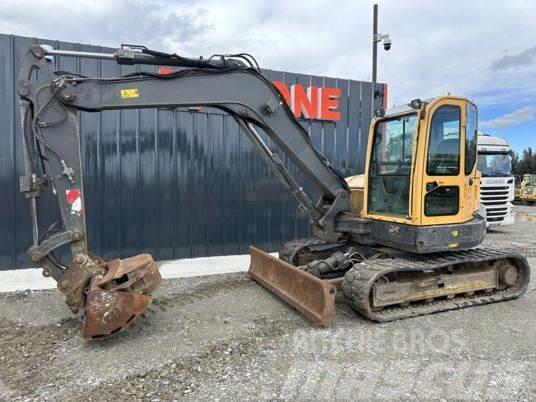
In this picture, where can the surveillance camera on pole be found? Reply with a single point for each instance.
(386, 40)
(387, 43)
(377, 38)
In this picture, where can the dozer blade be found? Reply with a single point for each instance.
(312, 296)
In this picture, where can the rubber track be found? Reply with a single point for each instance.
(290, 249)
(358, 282)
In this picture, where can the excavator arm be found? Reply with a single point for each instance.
(113, 293)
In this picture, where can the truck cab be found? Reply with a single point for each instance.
(497, 182)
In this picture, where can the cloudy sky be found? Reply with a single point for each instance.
(481, 49)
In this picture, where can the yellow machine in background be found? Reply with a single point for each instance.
(520, 185)
(528, 189)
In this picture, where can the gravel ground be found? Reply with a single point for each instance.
(225, 337)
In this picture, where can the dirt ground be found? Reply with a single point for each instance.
(225, 337)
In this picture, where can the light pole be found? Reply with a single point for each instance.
(376, 38)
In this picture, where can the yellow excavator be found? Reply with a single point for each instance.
(520, 185)
(528, 189)
(398, 241)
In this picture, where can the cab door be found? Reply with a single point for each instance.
(444, 186)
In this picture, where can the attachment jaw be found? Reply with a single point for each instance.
(112, 293)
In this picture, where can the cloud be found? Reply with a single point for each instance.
(521, 59)
(514, 118)
(158, 24)
(321, 37)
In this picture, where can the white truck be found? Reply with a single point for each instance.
(497, 185)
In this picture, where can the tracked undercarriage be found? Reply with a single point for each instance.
(386, 284)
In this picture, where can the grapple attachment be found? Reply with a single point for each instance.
(108, 312)
(112, 293)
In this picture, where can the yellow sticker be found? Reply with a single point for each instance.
(452, 245)
(130, 93)
(454, 233)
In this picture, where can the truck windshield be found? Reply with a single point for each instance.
(497, 165)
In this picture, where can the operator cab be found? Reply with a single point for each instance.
(421, 163)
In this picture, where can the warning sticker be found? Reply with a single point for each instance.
(130, 93)
(73, 198)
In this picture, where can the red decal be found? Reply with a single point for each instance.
(166, 70)
(73, 198)
(72, 195)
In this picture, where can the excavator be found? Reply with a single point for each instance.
(398, 241)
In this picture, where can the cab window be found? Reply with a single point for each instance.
(390, 165)
(470, 138)
(444, 145)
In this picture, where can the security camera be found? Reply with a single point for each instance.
(387, 43)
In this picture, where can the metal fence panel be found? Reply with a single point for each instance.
(173, 183)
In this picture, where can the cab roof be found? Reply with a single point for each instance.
(490, 140)
(406, 108)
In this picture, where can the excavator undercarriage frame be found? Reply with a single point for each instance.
(385, 284)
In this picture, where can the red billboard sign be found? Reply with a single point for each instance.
(312, 103)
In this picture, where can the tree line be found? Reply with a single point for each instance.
(526, 163)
